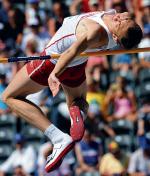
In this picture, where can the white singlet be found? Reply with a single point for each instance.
(66, 36)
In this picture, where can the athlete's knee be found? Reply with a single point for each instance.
(5, 97)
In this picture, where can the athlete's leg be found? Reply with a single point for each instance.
(77, 96)
(78, 107)
(14, 97)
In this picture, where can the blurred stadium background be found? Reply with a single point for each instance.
(117, 138)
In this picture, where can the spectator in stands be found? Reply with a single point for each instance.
(125, 65)
(75, 7)
(119, 6)
(11, 31)
(32, 10)
(122, 62)
(16, 21)
(140, 159)
(88, 152)
(145, 57)
(30, 50)
(94, 69)
(22, 156)
(59, 12)
(94, 92)
(94, 5)
(40, 37)
(141, 11)
(113, 163)
(145, 6)
(6, 6)
(129, 88)
(97, 79)
(123, 83)
(3, 107)
(97, 71)
(37, 8)
(14, 27)
(18, 171)
(83, 6)
(144, 118)
(5, 69)
(95, 118)
(123, 107)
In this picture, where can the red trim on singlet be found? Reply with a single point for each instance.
(87, 15)
(59, 40)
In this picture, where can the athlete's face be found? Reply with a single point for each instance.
(120, 24)
(121, 19)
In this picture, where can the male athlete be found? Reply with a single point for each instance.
(87, 32)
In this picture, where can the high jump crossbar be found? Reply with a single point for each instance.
(84, 54)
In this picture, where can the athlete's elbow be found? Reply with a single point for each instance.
(4, 97)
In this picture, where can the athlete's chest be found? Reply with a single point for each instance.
(88, 26)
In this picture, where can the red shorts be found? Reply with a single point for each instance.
(40, 70)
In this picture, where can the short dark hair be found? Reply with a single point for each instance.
(133, 37)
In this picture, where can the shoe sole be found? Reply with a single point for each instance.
(77, 129)
(59, 159)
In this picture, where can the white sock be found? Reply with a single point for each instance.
(54, 134)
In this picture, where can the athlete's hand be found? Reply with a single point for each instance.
(54, 84)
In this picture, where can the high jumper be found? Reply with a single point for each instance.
(81, 33)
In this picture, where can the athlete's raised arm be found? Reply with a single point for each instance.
(76, 48)
(83, 42)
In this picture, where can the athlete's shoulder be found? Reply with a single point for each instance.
(91, 25)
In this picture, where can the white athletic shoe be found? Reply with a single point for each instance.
(60, 149)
